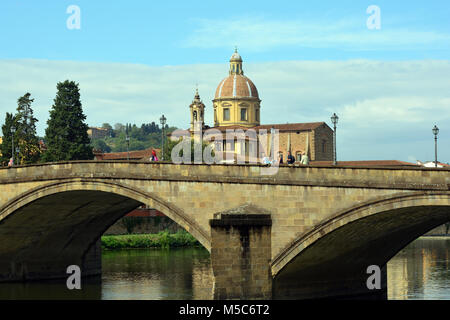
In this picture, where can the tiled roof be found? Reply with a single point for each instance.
(292, 126)
(281, 127)
(144, 213)
(381, 163)
(236, 85)
(134, 155)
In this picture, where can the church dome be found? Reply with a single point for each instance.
(236, 101)
(236, 86)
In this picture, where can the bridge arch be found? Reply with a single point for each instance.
(85, 209)
(340, 248)
(173, 212)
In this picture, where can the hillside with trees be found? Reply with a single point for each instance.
(148, 135)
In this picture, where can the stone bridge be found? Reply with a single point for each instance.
(304, 232)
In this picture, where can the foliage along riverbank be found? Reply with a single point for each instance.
(162, 239)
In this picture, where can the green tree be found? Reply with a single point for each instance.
(118, 127)
(108, 127)
(99, 144)
(26, 137)
(141, 137)
(66, 134)
(7, 141)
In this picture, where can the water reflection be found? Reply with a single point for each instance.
(91, 289)
(157, 274)
(421, 270)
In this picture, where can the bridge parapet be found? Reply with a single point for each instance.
(324, 176)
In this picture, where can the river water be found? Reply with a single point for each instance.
(420, 271)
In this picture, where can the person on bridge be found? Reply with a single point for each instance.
(305, 159)
(10, 163)
(290, 158)
(280, 158)
(266, 160)
(154, 157)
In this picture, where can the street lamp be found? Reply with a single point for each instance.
(435, 132)
(163, 124)
(17, 151)
(13, 130)
(334, 120)
(128, 146)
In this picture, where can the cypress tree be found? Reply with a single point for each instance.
(7, 141)
(26, 138)
(66, 134)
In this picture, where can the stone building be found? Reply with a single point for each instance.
(237, 107)
(97, 133)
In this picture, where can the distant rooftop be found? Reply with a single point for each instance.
(134, 155)
(363, 163)
(431, 164)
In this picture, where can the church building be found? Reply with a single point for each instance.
(237, 107)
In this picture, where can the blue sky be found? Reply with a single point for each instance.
(189, 32)
(308, 59)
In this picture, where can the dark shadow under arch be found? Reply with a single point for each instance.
(335, 262)
(49, 228)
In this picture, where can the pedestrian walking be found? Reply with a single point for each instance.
(305, 159)
(154, 157)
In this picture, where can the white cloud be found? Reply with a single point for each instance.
(261, 33)
(403, 110)
(386, 109)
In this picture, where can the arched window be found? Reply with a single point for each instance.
(243, 114)
(195, 115)
(226, 114)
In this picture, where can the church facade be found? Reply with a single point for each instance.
(237, 108)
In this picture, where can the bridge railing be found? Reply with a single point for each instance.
(327, 176)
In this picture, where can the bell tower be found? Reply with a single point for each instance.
(197, 109)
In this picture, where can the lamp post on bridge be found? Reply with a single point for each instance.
(334, 120)
(18, 151)
(13, 130)
(163, 124)
(127, 138)
(435, 132)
